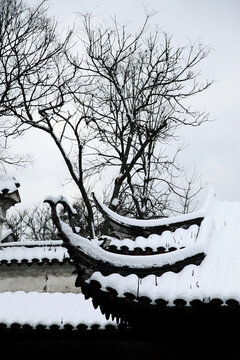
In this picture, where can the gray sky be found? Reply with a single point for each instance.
(213, 148)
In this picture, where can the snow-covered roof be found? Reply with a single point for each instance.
(167, 241)
(93, 250)
(33, 251)
(8, 184)
(125, 285)
(141, 223)
(194, 243)
(216, 277)
(125, 226)
(47, 309)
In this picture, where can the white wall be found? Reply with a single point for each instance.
(40, 278)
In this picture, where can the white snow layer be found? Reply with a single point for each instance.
(115, 202)
(33, 250)
(177, 239)
(49, 309)
(7, 182)
(163, 221)
(60, 198)
(92, 248)
(216, 277)
(6, 233)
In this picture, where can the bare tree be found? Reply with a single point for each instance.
(32, 224)
(135, 98)
(115, 106)
(35, 78)
(35, 223)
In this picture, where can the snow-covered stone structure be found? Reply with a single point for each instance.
(9, 196)
(30, 266)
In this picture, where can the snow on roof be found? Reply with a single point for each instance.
(95, 251)
(154, 222)
(168, 239)
(33, 251)
(216, 277)
(49, 309)
(8, 184)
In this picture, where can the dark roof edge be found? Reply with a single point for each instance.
(35, 261)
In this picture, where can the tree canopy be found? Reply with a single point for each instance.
(111, 108)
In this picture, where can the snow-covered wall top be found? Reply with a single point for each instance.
(33, 251)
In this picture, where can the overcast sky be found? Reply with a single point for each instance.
(213, 148)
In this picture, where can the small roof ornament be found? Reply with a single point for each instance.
(8, 184)
(9, 196)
